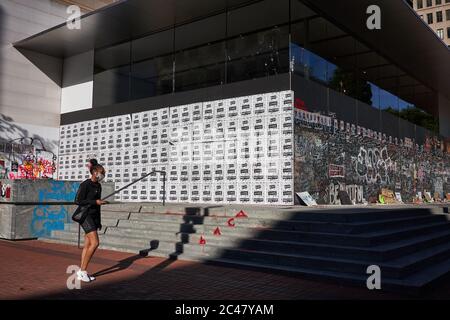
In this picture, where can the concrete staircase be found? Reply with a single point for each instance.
(411, 245)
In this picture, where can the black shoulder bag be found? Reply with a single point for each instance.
(80, 213)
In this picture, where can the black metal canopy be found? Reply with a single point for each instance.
(404, 42)
(122, 21)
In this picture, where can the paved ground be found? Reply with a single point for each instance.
(37, 270)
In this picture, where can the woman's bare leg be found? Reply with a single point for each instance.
(93, 245)
(87, 243)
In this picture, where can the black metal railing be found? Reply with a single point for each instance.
(68, 203)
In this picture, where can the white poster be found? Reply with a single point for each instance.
(307, 199)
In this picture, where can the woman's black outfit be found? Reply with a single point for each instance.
(88, 194)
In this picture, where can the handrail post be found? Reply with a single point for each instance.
(164, 188)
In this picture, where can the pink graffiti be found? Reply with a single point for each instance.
(31, 169)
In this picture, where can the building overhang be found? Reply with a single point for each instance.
(404, 39)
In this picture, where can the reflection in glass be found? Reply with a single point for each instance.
(310, 65)
(112, 75)
(256, 55)
(200, 67)
(152, 77)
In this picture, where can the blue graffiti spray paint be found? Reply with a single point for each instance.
(48, 218)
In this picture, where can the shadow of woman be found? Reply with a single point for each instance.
(121, 265)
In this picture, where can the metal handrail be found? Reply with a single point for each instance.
(141, 178)
(108, 196)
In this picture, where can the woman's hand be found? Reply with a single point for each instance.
(101, 202)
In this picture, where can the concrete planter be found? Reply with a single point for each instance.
(23, 214)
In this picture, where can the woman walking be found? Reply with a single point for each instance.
(89, 194)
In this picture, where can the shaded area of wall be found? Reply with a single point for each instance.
(444, 116)
(77, 82)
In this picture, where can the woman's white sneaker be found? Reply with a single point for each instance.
(83, 276)
(92, 278)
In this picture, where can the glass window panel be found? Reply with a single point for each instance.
(112, 75)
(152, 68)
(112, 86)
(257, 55)
(152, 77)
(200, 67)
(154, 45)
(258, 16)
(201, 32)
(112, 57)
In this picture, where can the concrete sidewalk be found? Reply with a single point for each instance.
(36, 270)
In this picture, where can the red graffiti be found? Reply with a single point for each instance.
(31, 169)
(231, 222)
(217, 232)
(5, 191)
(202, 241)
(300, 104)
(241, 214)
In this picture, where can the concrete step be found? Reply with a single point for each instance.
(390, 224)
(398, 268)
(106, 222)
(378, 253)
(122, 207)
(115, 214)
(209, 220)
(358, 240)
(412, 246)
(349, 214)
(143, 239)
(412, 285)
(295, 225)
(340, 213)
(358, 215)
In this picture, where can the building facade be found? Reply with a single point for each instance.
(29, 100)
(251, 101)
(436, 13)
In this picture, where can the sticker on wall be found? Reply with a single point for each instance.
(5, 191)
(14, 166)
(306, 199)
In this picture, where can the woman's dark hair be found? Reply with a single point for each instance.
(96, 168)
(92, 164)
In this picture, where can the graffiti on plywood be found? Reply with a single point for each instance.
(5, 191)
(52, 217)
(362, 161)
(33, 168)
